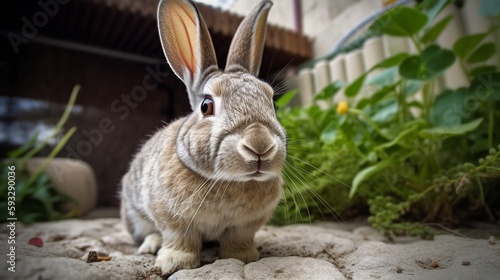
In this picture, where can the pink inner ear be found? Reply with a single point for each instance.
(184, 35)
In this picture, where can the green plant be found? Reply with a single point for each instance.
(36, 198)
(411, 145)
(310, 189)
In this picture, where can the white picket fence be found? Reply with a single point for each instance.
(349, 66)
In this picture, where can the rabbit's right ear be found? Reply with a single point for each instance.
(187, 43)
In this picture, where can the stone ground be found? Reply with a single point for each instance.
(317, 251)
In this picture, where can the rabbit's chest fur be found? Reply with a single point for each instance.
(170, 193)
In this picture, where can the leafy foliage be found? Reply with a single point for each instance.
(406, 151)
(36, 198)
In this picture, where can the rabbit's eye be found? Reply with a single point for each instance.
(207, 106)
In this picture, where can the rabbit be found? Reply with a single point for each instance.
(214, 175)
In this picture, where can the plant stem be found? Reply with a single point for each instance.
(491, 116)
(497, 44)
(402, 103)
(426, 101)
(57, 128)
(481, 191)
(462, 66)
(49, 158)
(416, 43)
(492, 168)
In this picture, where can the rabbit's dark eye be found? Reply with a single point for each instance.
(207, 106)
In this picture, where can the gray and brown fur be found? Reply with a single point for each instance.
(208, 177)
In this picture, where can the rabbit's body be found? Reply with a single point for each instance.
(161, 192)
(215, 174)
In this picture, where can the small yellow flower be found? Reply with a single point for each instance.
(342, 108)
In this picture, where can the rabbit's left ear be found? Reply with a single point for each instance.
(248, 42)
(187, 43)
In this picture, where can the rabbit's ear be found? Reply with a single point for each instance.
(186, 42)
(248, 42)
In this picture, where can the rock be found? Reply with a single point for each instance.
(57, 268)
(303, 241)
(446, 257)
(492, 240)
(266, 268)
(220, 269)
(291, 268)
(72, 177)
(318, 251)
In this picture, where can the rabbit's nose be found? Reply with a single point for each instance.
(257, 144)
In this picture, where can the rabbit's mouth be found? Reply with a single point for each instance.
(260, 175)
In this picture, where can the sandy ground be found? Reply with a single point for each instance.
(318, 251)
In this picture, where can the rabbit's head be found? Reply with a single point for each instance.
(233, 133)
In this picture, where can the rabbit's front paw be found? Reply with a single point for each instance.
(247, 255)
(151, 244)
(170, 260)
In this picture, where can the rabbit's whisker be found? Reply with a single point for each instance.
(292, 193)
(297, 185)
(279, 73)
(312, 193)
(323, 172)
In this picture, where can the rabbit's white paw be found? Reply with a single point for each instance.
(151, 244)
(171, 261)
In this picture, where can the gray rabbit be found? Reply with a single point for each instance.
(216, 173)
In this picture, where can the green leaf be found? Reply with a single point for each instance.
(489, 8)
(384, 78)
(444, 132)
(391, 61)
(482, 70)
(30, 218)
(328, 116)
(486, 86)
(353, 89)
(43, 195)
(400, 21)
(480, 145)
(415, 104)
(28, 145)
(401, 136)
(366, 173)
(483, 53)
(362, 103)
(378, 96)
(432, 62)
(412, 87)
(328, 92)
(444, 112)
(286, 98)
(329, 133)
(433, 33)
(433, 7)
(466, 44)
(386, 112)
(43, 180)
